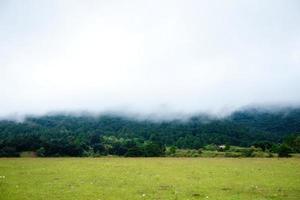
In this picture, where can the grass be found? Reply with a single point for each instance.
(149, 178)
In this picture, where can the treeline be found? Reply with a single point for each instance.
(101, 146)
(68, 135)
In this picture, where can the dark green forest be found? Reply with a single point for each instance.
(110, 134)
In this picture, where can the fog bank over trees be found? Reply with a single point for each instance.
(148, 57)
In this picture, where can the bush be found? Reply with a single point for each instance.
(284, 151)
(227, 147)
(41, 152)
(9, 152)
(232, 154)
(173, 150)
(211, 147)
(199, 151)
(248, 152)
(134, 151)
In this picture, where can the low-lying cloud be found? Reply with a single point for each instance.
(148, 57)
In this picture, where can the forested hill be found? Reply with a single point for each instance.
(242, 128)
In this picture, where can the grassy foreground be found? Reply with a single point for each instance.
(149, 178)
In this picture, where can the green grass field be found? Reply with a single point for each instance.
(149, 178)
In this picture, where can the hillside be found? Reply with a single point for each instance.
(73, 135)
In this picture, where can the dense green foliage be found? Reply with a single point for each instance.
(70, 135)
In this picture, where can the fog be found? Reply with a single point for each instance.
(158, 58)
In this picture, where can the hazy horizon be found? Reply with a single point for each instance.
(148, 58)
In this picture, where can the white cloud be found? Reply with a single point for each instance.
(148, 56)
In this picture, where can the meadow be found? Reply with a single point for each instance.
(111, 178)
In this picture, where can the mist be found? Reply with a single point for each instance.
(148, 58)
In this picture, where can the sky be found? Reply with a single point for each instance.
(148, 57)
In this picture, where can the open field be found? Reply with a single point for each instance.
(149, 178)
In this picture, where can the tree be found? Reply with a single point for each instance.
(293, 141)
(134, 152)
(70, 135)
(227, 147)
(264, 145)
(152, 149)
(284, 150)
(41, 152)
(172, 150)
(9, 152)
(248, 152)
(211, 147)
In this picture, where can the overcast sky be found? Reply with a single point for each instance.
(148, 56)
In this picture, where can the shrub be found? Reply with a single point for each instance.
(248, 152)
(9, 152)
(284, 151)
(232, 154)
(41, 152)
(211, 147)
